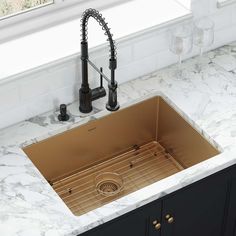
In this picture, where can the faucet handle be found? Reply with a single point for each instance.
(99, 91)
(101, 77)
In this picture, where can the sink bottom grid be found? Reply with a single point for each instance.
(137, 168)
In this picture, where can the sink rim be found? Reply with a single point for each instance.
(169, 179)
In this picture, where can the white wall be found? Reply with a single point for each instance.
(43, 90)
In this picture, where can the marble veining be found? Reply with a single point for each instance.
(203, 91)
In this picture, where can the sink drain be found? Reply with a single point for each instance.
(108, 187)
(108, 184)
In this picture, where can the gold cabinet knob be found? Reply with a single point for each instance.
(169, 218)
(156, 224)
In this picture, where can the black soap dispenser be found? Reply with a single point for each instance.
(63, 116)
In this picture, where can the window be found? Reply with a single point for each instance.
(21, 17)
(12, 7)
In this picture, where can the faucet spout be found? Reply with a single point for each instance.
(86, 95)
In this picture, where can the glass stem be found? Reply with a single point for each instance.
(201, 51)
(180, 59)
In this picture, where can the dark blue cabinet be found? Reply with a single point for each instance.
(142, 222)
(198, 210)
(231, 211)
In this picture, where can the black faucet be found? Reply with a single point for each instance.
(87, 95)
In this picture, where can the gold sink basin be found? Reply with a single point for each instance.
(108, 158)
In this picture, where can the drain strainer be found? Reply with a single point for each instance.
(108, 187)
(108, 183)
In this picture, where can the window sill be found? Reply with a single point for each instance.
(31, 52)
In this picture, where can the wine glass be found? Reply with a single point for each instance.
(203, 33)
(181, 41)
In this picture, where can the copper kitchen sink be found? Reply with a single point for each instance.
(110, 157)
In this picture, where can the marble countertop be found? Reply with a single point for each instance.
(203, 91)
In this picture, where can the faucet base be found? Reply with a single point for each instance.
(85, 98)
(112, 104)
(110, 108)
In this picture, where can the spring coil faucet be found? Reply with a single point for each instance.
(87, 95)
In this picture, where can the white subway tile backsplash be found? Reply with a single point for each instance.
(150, 45)
(44, 102)
(137, 69)
(12, 116)
(166, 58)
(64, 76)
(220, 36)
(233, 13)
(124, 54)
(9, 98)
(50, 101)
(222, 19)
(65, 95)
(34, 86)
